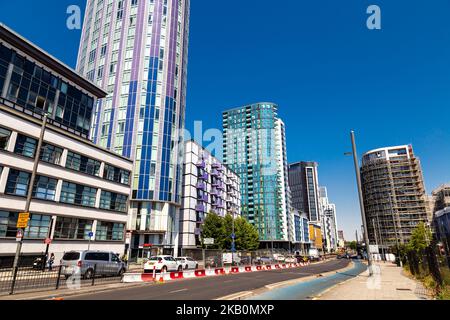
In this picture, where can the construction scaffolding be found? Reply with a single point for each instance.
(394, 198)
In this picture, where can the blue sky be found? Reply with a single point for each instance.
(317, 60)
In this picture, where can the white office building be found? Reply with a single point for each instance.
(80, 194)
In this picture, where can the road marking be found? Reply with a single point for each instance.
(176, 291)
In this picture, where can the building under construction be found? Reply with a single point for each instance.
(394, 195)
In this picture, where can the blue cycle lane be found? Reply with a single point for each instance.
(307, 290)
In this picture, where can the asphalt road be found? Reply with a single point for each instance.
(213, 287)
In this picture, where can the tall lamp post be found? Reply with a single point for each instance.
(361, 200)
(30, 187)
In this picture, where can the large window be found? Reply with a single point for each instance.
(38, 226)
(35, 89)
(77, 194)
(83, 164)
(4, 138)
(51, 154)
(113, 201)
(44, 188)
(25, 146)
(110, 231)
(117, 175)
(72, 228)
(17, 183)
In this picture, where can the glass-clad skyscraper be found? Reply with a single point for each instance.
(137, 51)
(255, 148)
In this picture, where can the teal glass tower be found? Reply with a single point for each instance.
(254, 147)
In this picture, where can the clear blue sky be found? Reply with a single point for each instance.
(318, 61)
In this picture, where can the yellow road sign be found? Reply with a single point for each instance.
(22, 221)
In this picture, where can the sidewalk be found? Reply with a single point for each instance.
(387, 283)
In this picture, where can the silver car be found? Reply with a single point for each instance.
(90, 263)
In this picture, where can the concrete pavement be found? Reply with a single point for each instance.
(387, 283)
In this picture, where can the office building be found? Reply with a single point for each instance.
(302, 242)
(394, 194)
(208, 187)
(137, 51)
(341, 239)
(304, 186)
(254, 147)
(80, 193)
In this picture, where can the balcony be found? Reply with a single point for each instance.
(215, 173)
(204, 177)
(201, 164)
(200, 207)
(201, 186)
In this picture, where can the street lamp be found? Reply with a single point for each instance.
(361, 199)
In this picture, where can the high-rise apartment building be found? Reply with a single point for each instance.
(304, 187)
(137, 51)
(208, 187)
(329, 221)
(255, 148)
(394, 194)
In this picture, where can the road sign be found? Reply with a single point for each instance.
(233, 236)
(91, 234)
(208, 241)
(19, 235)
(22, 221)
(48, 241)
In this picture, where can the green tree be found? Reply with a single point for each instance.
(353, 245)
(247, 237)
(420, 238)
(214, 227)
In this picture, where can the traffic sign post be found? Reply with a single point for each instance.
(19, 235)
(91, 235)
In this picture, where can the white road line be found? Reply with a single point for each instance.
(176, 291)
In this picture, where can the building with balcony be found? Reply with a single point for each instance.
(208, 187)
(255, 148)
(79, 188)
(394, 194)
(329, 221)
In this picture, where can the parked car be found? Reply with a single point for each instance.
(246, 261)
(264, 260)
(90, 263)
(290, 259)
(187, 263)
(279, 258)
(162, 264)
(314, 258)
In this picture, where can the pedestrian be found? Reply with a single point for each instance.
(125, 259)
(51, 261)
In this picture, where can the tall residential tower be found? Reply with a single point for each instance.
(137, 51)
(394, 194)
(255, 148)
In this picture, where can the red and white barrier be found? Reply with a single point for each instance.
(169, 276)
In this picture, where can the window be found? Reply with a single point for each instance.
(110, 231)
(17, 183)
(72, 228)
(51, 154)
(25, 146)
(44, 188)
(38, 226)
(72, 193)
(4, 138)
(83, 164)
(113, 201)
(117, 175)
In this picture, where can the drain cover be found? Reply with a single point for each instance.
(403, 289)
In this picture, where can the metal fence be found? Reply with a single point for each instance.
(209, 258)
(431, 266)
(37, 278)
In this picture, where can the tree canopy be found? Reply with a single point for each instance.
(221, 229)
